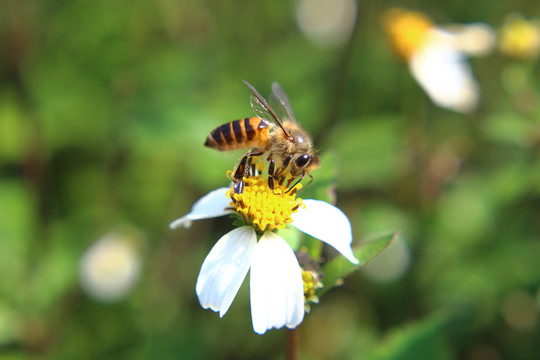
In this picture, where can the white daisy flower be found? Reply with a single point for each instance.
(326, 23)
(437, 56)
(110, 267)
(276, 284)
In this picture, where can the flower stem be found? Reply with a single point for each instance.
(291, 346)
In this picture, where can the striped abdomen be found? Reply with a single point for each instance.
(238, 134)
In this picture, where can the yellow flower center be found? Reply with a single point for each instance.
(406, 30)
(263, 208)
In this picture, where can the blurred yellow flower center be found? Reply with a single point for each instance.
(520, 38)
(310, 285)
(263, 208)
(406, 30)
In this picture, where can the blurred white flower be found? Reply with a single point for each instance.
(326, 23)
(110, 267)
(437, 56)
(276, 284)
(476, 39)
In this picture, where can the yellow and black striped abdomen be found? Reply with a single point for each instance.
(238, 134)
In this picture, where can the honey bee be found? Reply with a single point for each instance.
(289, 147)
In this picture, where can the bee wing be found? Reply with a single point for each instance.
(263, 110)
(281, 102)
(260, 110)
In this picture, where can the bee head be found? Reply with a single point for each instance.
(304, 163)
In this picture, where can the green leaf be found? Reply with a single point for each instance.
(420, 340)
(336, 269)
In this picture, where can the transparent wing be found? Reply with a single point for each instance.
(278, 98)
(260, 111)
(263, 110)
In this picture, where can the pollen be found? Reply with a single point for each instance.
(263, 208)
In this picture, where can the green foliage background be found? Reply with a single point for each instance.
(104, 107)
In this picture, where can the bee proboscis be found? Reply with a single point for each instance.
(289, 147)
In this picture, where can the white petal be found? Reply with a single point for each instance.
(476, 39)
(277, 288)
(213, 204)
(446, 76)
(225, 268)
(326, 223)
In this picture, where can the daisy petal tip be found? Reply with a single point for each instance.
(292, 326)
(178, 223)
(224, 269)
(260, 331)
(277, 293)
(350, 256)
(214, 308)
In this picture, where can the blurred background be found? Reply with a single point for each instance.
(104, 107)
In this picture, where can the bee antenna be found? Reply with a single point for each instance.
(296, 183)
(310, 180)
(265, 104)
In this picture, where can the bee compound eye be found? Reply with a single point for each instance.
(303, 160)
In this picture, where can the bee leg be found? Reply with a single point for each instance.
(285, 165)
(243, 170)
(250, 166)
(274, 175)
(289, 182)
(271, 170)
(239, 174)
(238, 187)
